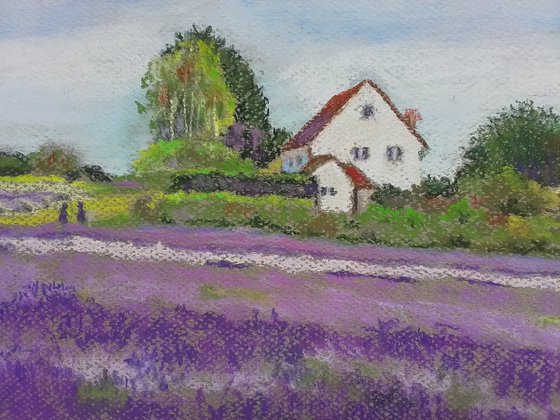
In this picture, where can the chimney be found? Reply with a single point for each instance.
(412, 116)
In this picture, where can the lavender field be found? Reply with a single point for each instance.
(127, 336)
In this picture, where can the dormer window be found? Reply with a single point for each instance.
(368, 111)
(360, 153)
(394, 153)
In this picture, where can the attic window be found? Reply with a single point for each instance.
(394, 153)
(368, 111)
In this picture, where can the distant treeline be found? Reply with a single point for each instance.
(51, 159)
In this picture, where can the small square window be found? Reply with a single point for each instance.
(365, 153)
(332, 191)
(394, 153)
(360, 153)
(323, 191)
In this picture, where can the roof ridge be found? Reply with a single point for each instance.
(333, 107)
(359, 178)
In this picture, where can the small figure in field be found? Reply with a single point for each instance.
(81, 216)
(63, 215)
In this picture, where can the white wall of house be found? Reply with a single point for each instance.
(363, 199)
(338, 195)
(351, 129)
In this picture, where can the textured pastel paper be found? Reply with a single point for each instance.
(317, 209)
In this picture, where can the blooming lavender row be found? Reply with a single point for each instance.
(160, 353)
(29, 390)
(510, 315)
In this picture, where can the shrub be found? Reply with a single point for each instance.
(207, 180)
(391, 196)
(13, 164)
(55, 159)
(507, 192)
(158, 157)
(406, 216)
(226, 209)
(462, 213)
(163, 159)
(436, 187)
(326, 224)
(95, 173)
(147, 208)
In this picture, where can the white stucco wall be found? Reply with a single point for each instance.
(330, 175)
(349, 129)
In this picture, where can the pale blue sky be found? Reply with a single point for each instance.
(70, 70)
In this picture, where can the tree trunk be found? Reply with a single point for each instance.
(191, 113)
(171, 119)
(185, 113)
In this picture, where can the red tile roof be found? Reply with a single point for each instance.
(358, 177)
(314, 126)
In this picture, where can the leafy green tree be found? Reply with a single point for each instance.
(251, 106)
(253, 135)
(522, 136)
(186, 92)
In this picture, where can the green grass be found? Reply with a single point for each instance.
(461, 398)
(317, 372)
(103, 391)
(210, 292)
(549, 321)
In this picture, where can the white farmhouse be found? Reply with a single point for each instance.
(358, 141)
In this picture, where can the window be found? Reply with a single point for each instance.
(299, 159)
(368, 111)
(360, 153)
(327, 191)
(365, 153)
(290, 162)
(394, 153)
